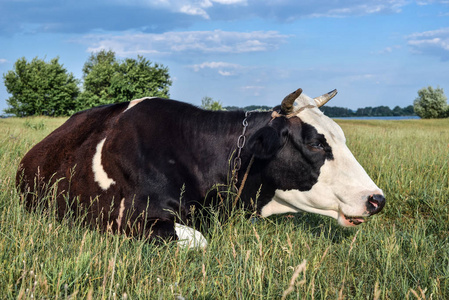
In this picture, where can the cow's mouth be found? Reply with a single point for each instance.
(350, 221)
(355, 220)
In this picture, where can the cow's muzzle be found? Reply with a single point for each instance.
(375, 204)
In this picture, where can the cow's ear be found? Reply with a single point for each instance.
(265, 142)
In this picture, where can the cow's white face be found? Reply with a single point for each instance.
(343, 191)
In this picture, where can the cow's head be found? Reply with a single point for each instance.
(316, 172)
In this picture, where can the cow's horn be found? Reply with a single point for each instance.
(287, 103)
(323, 99)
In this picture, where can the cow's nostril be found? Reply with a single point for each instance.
(375, 203)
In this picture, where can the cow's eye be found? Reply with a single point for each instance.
(316, 145)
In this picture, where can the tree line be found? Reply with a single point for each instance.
(430, 103)
(379, 111)
(341, 112)
(41, 88)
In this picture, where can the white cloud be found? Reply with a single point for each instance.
(367, 8)
(189, 7)
(189, 41)
(254, 90)
(361, 77)
(431, 33)
(434, 42)
(3, 60)
(281, 10)
(428, 2)
(84, 16)
(222, 68)
(228, 2)
(193, 11)
(388, 50)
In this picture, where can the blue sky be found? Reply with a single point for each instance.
(244, 52)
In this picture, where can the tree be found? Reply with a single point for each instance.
(97, 75)
(209, 104)
(397, 111)
(334, 111)
(408, 111)
(138, 78)
(382, 111)
(258, 107)
(108, 80)
(431, 103)
(40, 88)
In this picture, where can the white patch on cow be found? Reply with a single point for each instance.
(343, 185)
(189, 237)
(100, 175)
(134, 102)
(277, 206)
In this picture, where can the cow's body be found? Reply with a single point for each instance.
(134, 159)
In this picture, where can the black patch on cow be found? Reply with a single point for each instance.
(315, 142)
(297, 164)
(264, 143)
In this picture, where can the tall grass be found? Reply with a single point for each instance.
(401, 253)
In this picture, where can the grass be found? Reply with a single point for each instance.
(402, 253)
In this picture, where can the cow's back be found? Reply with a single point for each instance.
(56, 157)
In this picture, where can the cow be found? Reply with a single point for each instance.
(157, 161)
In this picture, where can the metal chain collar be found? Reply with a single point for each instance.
(241, 141)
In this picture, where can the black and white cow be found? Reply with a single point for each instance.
(132, 159)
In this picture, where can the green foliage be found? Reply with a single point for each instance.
(402, 253)
(378, 111)
(108, 80)
(431, 103)
(335, 111)
(341, 112)
(209, 104)
(250, 107)
(40, 88)
(98, 71)
(97, 75)
(257, 107)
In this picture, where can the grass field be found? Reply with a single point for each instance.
(402, 253)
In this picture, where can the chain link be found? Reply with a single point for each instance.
(241, 141)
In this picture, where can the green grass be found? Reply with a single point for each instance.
(401, 253)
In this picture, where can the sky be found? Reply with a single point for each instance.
(246, 52)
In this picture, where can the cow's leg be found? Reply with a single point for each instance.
(160, 215)
(187, 236)
(162, 230)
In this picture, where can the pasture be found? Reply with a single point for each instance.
(401, 253)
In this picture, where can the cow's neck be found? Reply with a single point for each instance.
(214, 158)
